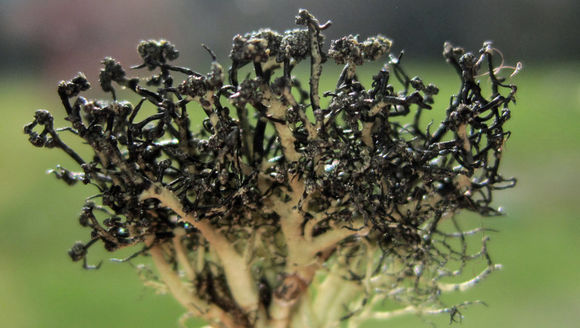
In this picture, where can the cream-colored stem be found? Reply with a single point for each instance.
(347, 291)
(461, 287)
(332, 237)
(184, 296)
(236, 270)
(395, 313)
(326, 292)
(277, 109)
(171, 279)
(182, 258)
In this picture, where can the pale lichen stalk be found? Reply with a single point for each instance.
(280, 211)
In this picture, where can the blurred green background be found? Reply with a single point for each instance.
(538, 240)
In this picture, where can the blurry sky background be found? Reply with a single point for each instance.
(42, 42)
(60, 37)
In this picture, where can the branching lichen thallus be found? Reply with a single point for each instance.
(281, 211)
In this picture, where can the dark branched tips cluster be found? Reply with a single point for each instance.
(256, 46)
(156, 53)
(264, 44)
(295, 45)
(367, 157)
(349, 50)
(73, 87)
(112, 72)
(198, 85)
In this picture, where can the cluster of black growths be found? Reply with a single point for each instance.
(367, 167)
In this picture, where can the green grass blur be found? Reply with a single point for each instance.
(538, 242)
